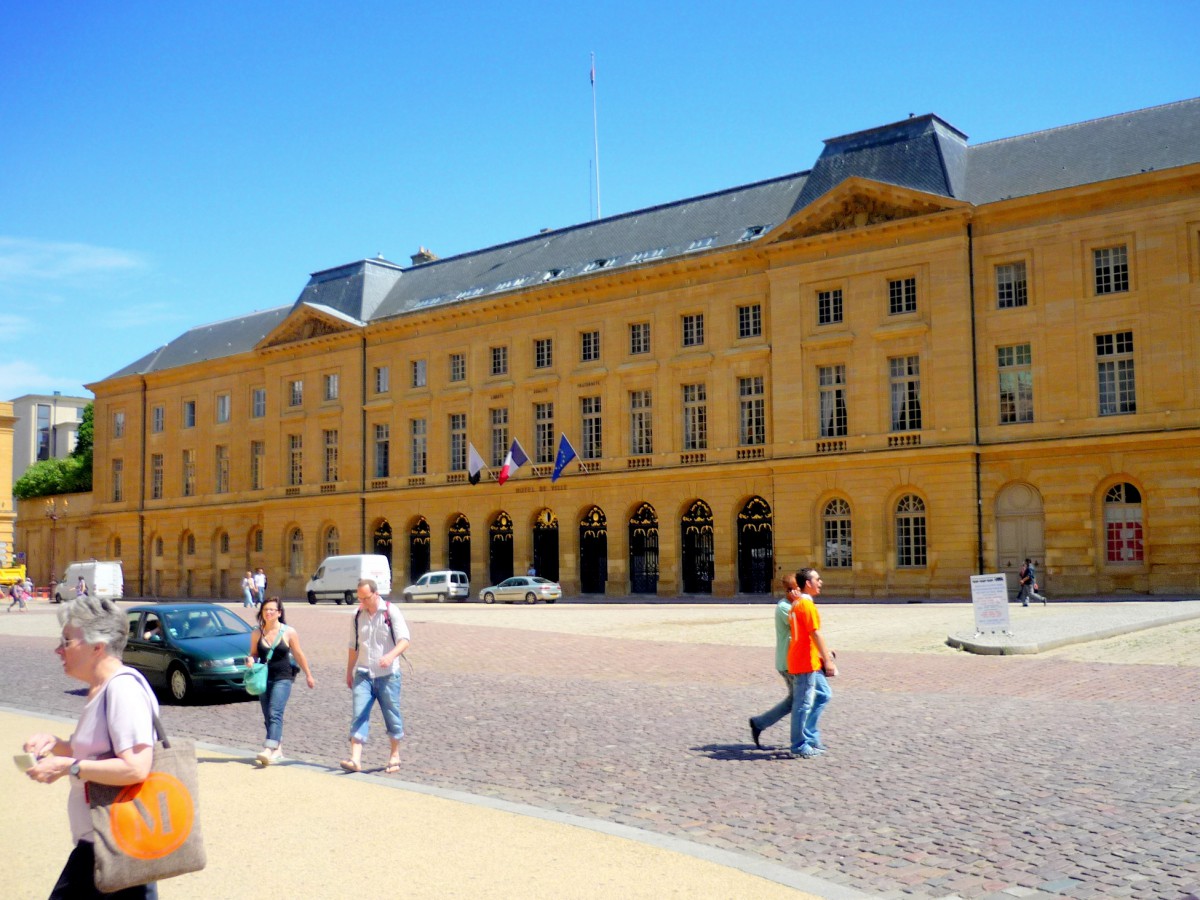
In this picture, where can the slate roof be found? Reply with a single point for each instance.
(923, 153)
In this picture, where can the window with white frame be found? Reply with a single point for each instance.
(839, 540)
(911, 550)
(1015, 366)
(333, 541)
(831, 387)
(189, 413)
(593, 428)
(458, 367)
(118, 480)
(749, 320)
(829, 306)
(1115, 373)
(383, 446)
(419, 447)
(296, 393)
(1012, 286)
(258, 403)
(158, 419)
(752, 418)
(118, 424)
(189, 473)
(902, 296)
(156, 476)
(692, 326)
(223, 408)
(295, 460)
(543, 353)
(296, 553)
(499, 421)
(1111, 269)
(330, 436)
(639, 338)
(1123, 524)
(258, 455)
(458, 442)
(383, 379)
(329, 384)
(499, 360)
(589, 346)
(695, 417)
(419, 379)
(641, 423)
(905, 376)
(221, 469)
(543, 432)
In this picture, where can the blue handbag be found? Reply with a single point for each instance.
(255, 679)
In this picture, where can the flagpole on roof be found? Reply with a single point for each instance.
(595, 135)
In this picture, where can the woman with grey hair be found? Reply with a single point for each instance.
(113, 741)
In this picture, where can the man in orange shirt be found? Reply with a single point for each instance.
(809, 662)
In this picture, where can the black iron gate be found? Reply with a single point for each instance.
(643, 551)
(696, 533)
(500, 548)
(459, 557)
(593, 552)
(418, 549)
(545, 545)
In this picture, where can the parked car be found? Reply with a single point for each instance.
(104, 579)
(187, 647)
(441, 586)
(337, 577)
(529, 588)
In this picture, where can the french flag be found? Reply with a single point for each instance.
(515, 459)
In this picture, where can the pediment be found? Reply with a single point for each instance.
(307, 322)
(860, 203)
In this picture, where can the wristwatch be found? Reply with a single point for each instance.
(74, 770)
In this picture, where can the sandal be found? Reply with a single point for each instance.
(392, 767)
(263, 759)
(350, 765)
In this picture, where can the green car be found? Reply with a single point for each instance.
(188, 647)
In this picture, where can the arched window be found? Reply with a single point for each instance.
(910, 532)
(1123, 524)
(191, 545)
(223, 542)
(332, 541)
(257, 541)
(839, 542)
(296, 552)
(116, 548)
(158, 546)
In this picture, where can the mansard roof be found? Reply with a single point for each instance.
(921, 154)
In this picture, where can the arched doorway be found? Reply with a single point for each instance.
(643, 551)
(756, 553)
(381, 540)
(418, 549)
(500, 548)
(1020, 530)
(458, 558)
(545, 544)
(593, 551)
(696, 541)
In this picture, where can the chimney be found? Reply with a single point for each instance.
(423, 256)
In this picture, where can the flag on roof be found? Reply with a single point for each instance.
(566, 453)
(515, 459)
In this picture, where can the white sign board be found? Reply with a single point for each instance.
(989, 597)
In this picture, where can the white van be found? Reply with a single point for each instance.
(104, 578)
(338, 577)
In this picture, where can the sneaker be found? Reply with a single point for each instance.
(755, 732)
(819, 747)
(807, 752)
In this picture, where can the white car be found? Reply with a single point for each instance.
(529, 588)
(441, 586)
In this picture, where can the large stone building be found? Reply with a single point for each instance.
(916, 361)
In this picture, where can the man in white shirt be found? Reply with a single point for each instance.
(373, 673)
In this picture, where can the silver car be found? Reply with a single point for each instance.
(529, 588)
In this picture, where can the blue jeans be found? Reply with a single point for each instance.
(247, 597)
(780, 709)
(367, 690)
(274, 700)
(808, 702)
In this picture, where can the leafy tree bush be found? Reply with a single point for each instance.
(61, 476)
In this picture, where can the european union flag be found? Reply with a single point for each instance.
(566, 453)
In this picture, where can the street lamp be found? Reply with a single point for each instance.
(54, 513)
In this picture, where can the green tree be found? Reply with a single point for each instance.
(70, 475)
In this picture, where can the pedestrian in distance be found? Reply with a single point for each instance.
(248, 590)
(1028, 582)
(260, 586)
(281, 641)
(17, 593)
(811, 663)
(373, 673)
(81, 589)
(113, 741)
(783, 637)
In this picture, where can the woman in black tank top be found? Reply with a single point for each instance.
(278, 644)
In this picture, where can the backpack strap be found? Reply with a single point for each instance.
(386, 617)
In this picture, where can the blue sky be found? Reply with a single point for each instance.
(167, 165)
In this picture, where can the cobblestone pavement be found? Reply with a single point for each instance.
(947, 775)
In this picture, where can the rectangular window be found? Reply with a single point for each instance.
(417, 464)
(829, 306)
(223, 407)
(296, 393)
(593, 428)
(44, 432)
(158, 419)
(750, 321)
(458, 442)
(695, 417)
(752, 421)
(331, 455)
(831, 382)
(499, 436)
(258, 455)
(905, 374)
(543, 432)
(295, 460)
(641, 424)
(693, 329)
(902, 296)
(1012, 287)
(543, 353)
(499, 360)
(118, 421)
(221, 469)
(639, 338)
(156, 476)
(258, 403)
(1112, 270)
(189, 473)
(383, 447)
(118, 480)
(383, 382)
(419, 378)
(189, 413)
(329, 384)
(458, 367)
(1015, 366)
(589, 346)
(1114, 365)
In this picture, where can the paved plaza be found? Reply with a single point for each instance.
(948, 774)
